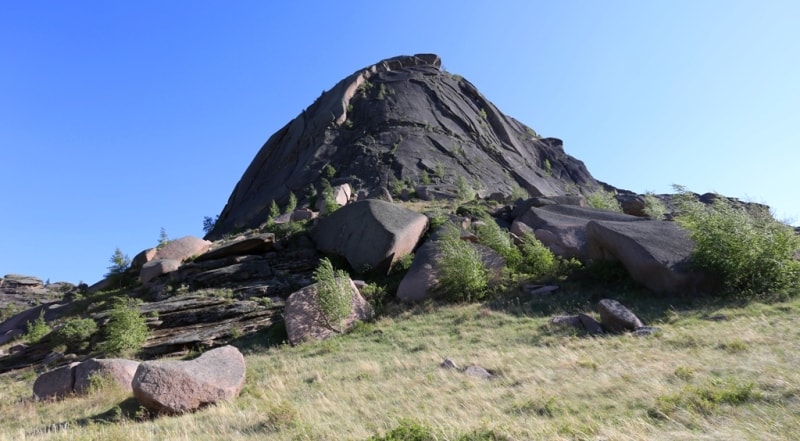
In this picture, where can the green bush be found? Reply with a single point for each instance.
(653, 207)
(604, 200)
(334, 294)
(464, 190)
(537, 260)
(463, 276)
(751, 253)
(491, 235)
(292, 204)
(126, 330)
(76, 333)
(37, 329)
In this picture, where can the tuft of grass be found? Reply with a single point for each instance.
(463, 276)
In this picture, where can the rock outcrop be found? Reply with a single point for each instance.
(395, 122)
(174, 387)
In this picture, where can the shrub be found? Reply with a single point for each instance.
(463, 276)
(537, 259)
(126, 330)
(292, 205)
(604, 200)
(76, 333)
(653, 207)
(37, 329)
(464, 190)
(274, 212)
(491, 235)
(334, 295)
(752, 253)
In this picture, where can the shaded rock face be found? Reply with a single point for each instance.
(173, 387)
(370, 234)
(390, 122)
(57, 383)
(562, 228)
(655, 253)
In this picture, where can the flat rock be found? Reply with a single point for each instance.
(252, 245)
(158, 267)
(174, 387)
(182, 249)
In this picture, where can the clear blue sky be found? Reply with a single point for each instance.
(118, 118)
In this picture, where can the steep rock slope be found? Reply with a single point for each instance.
(395, 121)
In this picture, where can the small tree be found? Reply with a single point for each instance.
(334, 295)
(209, 223)
(163, 239)
(119, 265)
(274, 211)
(292, 205)
(126, 330)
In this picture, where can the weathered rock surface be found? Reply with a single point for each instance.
(182, 249)
(305, 321)
(173, 387)
(562, 228)
(617, 318)
(118, 370)
(158, 267)
(18, 324)
(57, 383)
(251, 245)
(391, 122)
(370, 234)
(655, 253)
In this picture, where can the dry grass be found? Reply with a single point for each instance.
(697, 379)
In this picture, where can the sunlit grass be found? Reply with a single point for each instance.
(696, 379)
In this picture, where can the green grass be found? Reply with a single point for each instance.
(697, 379)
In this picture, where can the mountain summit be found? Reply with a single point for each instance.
(401, 120)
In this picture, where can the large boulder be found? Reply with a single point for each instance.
(173, 387)
(182, 249)
(118, 370)
(57, 383)
(655, 253)
(562, 228)
(370, 234)
(305, 321)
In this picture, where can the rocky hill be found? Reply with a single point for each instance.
(399, 123)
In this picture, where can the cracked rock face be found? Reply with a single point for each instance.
(401, 120)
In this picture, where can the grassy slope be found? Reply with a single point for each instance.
(697, 379)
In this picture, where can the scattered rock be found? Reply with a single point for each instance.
(448, 364)
(617, 318)
(478, 372)
(174, 387)
(567, 321)
(590, 325)
(539, 290)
